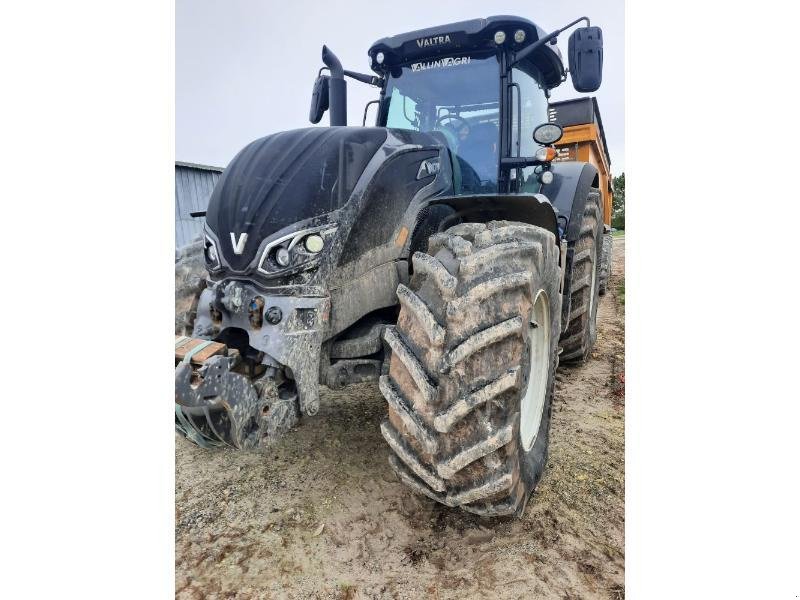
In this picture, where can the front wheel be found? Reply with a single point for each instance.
(474, 352)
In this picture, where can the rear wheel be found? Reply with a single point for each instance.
(474, 352)
(581, 332)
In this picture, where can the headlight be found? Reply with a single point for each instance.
(314, 243)
(547, 133)
(282, 257)
(296, 251)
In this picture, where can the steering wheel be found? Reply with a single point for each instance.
(462, 121)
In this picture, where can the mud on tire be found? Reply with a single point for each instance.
(461, 355)
(581, 332)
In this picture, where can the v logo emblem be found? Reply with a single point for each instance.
(238, 247)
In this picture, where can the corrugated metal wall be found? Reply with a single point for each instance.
(193, 187)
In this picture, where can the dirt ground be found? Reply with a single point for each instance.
(321, 515)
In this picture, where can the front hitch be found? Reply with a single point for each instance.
(216, 406)
(288, 330)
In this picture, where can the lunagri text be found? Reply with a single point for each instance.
(442, 62)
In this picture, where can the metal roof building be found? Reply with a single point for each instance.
(193, 186)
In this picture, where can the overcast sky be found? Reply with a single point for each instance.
(245, 68)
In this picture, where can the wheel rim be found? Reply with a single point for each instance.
(533, 401)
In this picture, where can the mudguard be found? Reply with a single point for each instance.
(535, 209)
(567, 193)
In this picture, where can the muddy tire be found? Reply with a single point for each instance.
(605, 262)
(581, 332)
(462, 363)
(190, 281)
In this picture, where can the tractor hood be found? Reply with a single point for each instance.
(283, 179)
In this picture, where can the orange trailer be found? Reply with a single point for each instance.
(584, 140)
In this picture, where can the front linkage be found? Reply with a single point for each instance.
(266, 374)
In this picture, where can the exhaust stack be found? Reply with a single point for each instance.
(337, 88)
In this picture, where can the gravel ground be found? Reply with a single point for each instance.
(321, 515)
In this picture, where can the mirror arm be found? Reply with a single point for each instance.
(368, 79)
(541, 42)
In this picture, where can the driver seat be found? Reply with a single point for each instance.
(479, 150)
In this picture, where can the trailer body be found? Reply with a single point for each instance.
(584, 140)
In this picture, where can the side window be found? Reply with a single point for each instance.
(534, 113)
(402, 112)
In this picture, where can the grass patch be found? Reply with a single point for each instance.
(621, 292)
(347, 590)
(618, 233)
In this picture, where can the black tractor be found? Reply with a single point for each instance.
(442, 252)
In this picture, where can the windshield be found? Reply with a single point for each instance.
(457, 97)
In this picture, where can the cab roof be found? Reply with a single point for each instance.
(475, 35)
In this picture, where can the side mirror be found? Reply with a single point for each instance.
(586, 58)
(319, 99)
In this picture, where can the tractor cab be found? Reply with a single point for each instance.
(461, 82)
(481, 87)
